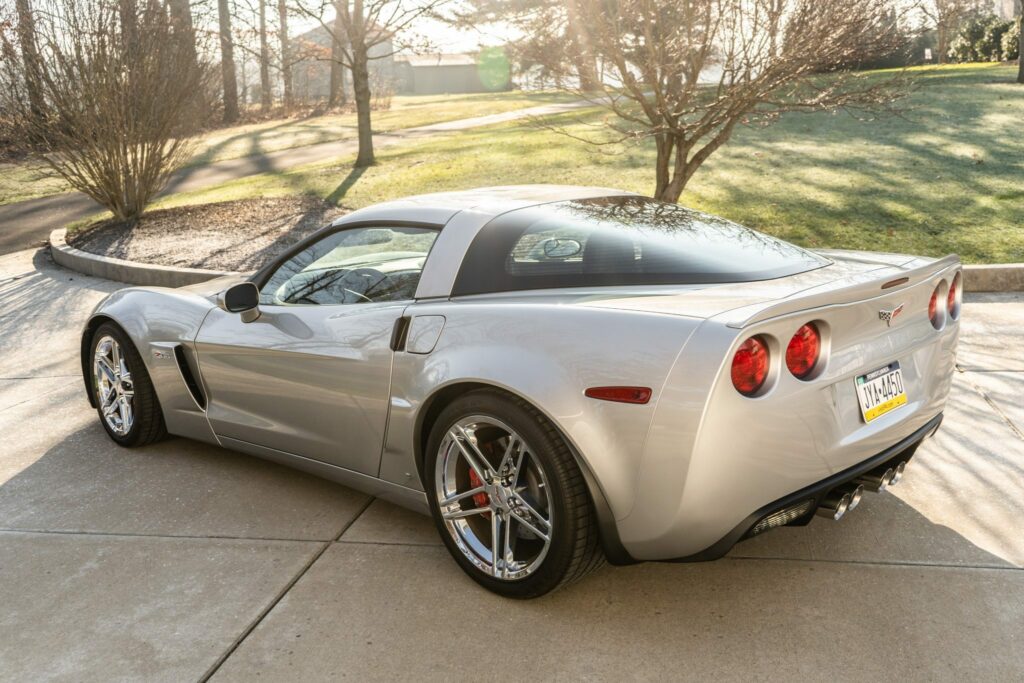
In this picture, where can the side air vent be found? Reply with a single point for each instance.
(189, 377)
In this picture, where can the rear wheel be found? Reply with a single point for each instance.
(508, 497)
(125, 400)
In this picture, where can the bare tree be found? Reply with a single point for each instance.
(546, 27)
(265, 90)
(357, 28)
(229, 81)
(29, 53)
(336, 86)
(118, 100)
(286, 54)
(180, 12)
(685, 73)
(946, 16)
(1020, 50)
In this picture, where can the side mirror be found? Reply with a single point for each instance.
(242, 298)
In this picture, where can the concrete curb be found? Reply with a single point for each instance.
(997, 277)
(131, 272)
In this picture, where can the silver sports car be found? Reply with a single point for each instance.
(557, 375)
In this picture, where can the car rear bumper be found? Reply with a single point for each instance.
(812, 495)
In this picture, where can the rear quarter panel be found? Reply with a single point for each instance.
(547, 355)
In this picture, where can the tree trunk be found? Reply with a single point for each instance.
(265, 101)
(361, 90)
(29, 55)
(181, 18)
(586, 62)
(128, 12)
(942, 42)
(286, 59)
(1020, 48)
(336, 88)
(227, 63)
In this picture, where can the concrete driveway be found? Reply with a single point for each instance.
(184, 562)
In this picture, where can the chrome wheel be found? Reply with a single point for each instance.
(493, 496)
(115, 393)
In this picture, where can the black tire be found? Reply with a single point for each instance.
(575, 548)
(148, 424)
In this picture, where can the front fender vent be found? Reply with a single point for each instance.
(189, 377)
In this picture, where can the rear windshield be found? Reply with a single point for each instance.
(620, 241)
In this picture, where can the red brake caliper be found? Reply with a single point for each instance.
(482, 500)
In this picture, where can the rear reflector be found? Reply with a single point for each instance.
(750, 366)
(620, 394)
(781, 518)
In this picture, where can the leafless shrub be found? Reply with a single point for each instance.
(382, 89)
(687, 72)
(121, 92)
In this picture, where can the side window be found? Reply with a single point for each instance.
(358, 265)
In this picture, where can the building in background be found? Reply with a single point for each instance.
(433, 74)
(437, 74)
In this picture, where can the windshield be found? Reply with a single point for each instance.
(620, 241)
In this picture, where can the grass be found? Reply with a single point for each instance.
(32, 179)
(947, 176)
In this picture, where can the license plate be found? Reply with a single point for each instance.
(881, 391)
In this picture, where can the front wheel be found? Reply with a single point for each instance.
(125, 400)
(508, 498)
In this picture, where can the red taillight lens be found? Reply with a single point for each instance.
(933, 309)
(952, 300)
(802, 352)
(750, 366)
(620, 394)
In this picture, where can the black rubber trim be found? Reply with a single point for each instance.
(399, 333)
(189, 377)
(614, 551)
(815, 491)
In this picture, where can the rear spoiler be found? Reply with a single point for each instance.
(865, 287)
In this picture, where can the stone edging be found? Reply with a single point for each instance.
(996, 277)
(999, 277)
(131, 272)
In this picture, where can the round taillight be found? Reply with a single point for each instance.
(802, 352)
(953, 298)
(750, 366)
(933, 308)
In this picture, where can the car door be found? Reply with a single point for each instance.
(311, 375)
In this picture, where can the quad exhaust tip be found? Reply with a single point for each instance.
(840, 500)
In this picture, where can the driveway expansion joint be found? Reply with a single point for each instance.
(280, 596)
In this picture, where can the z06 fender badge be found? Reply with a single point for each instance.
(887, 316)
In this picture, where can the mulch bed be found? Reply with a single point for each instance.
(240, 235)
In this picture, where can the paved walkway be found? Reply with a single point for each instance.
(28, 224)
(183, 561)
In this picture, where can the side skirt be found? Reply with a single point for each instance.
(393, 493)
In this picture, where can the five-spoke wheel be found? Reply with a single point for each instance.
(493, 496)
(122, 391)
(508, 496)
(115, 393)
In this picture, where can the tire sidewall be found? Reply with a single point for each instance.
(540, 440)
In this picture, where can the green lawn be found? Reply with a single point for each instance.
(946, 177)
(33, 179)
